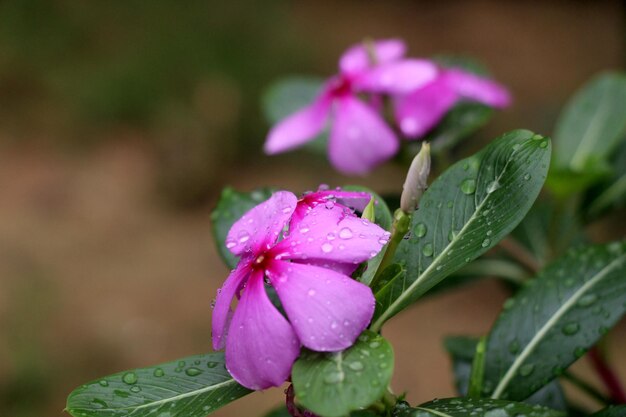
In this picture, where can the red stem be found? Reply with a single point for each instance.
(290, 397)
(609, 378)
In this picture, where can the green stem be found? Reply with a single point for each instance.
(586, 388)
(399, 228)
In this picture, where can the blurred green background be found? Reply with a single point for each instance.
(120, 121)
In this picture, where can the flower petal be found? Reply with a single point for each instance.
(261, 225)
(476, 88)
(221, 311)
(359, 139)
(261, 345)
(332, 234)
(420, 111)
(328, 310)
(356, 200)
(399, 77)
(356, 58)
(300, 127)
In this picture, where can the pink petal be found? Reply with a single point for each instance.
(341, 267)
(259, 227)
(356, 200)
(356, 58)
(262, 346)
(399, 77)
(360, 139)
(476, 88)
(328, 310)
(420, 111)
(299, 128)
(225, 295)
(332, 234)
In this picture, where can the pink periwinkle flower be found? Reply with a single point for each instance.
(326, 309)
(421, 110)
(359, 137)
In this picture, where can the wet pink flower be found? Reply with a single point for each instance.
(422, 109)
(326, 310)
(359, 137)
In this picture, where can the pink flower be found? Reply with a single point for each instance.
(359, 138)
(326, 310)
(421, 110)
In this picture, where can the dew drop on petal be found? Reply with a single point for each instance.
(345, 233)
(327, 247)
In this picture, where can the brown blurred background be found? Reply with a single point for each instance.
(120, 121)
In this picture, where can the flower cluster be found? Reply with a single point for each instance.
(420, 91)
(306, 250)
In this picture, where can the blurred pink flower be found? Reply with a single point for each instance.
(421, 110)
(359, 137)
(326, 310)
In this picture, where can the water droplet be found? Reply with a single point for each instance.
(303, 229)
(427, 250)
(468, 186)
(333, 325)
(135, 389)
(327, 247)
(579, 352)
(211, 365)
(345, 233)
(527, 369)
(356, 366)
(181, 364)
(230, 244)
(510, 302)
(420, 230)
(374, 344)
(514, 347)
(527, 177)
(243, 236)
(587, 300)
(311, 292)
(193, 371)
(543, 144)
(333, 377)
(486, 243)
(103, 383)
(493, 186)
(330, 236)
(158, 372)
(570, 329)
(129, 378)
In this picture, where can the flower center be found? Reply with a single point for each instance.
(261, 261)
(341, 87)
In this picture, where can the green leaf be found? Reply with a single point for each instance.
(555, 319)
(612, 193)
(230, 207)
(333, 384)
(476, 407)
(592, 123)
(615, 411)
(464, 213)
(462, 349)
(190, 387)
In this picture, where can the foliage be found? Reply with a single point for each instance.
(567, 291)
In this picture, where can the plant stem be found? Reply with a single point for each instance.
(607, 375)
(399, 228)
(586, 387)
(520, 253)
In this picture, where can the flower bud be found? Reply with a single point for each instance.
(416, 180)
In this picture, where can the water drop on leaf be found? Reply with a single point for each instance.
(129, 378)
